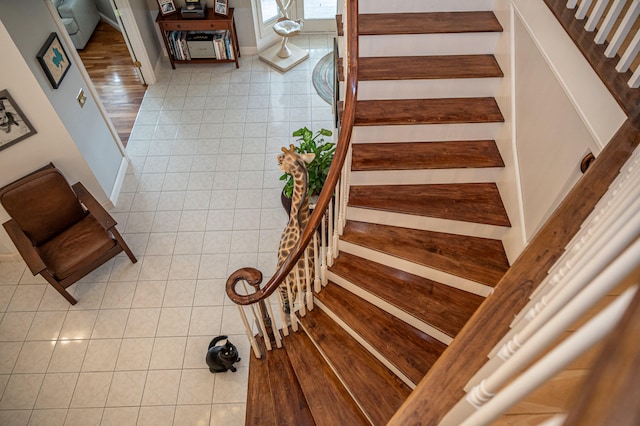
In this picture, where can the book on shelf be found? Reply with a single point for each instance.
(179, 48)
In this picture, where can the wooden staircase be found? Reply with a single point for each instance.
(421, 247)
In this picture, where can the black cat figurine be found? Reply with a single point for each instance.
(221, 358)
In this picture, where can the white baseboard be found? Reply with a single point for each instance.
(117, 186)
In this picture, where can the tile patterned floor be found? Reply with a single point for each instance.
(201, 199)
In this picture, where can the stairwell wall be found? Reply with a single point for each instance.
(556, 110)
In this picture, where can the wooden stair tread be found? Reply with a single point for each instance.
(427, 111)
(373, 385)
(482, 260)
(427, 67)
(439, 305)
(259, 401)
(424, 23)
(289, 400)
(410, 350)
(328, 400)
(467, 202)
(425, 155)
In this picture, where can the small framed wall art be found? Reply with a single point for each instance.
(54, 60)
(167, 7)
(221, 7)
(14, 126)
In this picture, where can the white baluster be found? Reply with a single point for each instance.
(330, 257)
(323, 238)
(292, 314)
(307, 278)
(263, 329)
(571, 4)
(247, 329)
(283, 316)
(274, 326)
(596, 14)
(634, 81)
(564, 309)
(583, 9)
(623, 29)
(630, 54)
(573, 347)
(299, 286)
(609, 21)
(317, 284)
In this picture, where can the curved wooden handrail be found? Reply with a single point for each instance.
(252, 275)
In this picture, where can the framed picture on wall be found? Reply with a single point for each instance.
(14, 125)
(221, 7)
(54, 60)
(167, 7)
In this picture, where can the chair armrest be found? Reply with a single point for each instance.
(94, 207)
(24, 246)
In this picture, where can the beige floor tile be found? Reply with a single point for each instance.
(91, 390)
(135, 354)
(196, 387)
(110, 324)
(78, 325)
(9, 352)
(21, 391)
(46, 325)
(101, 355)
(228, 414)
(68, 356)
(174, 322)
(84, 417)
(168, 353)
(26, 298)
(156, 416)
(161, 387)
(142, 322)
(192, 414)
(15, 326)
(206, 321)
(179, 292)
(57, 390)
(34, 357)
(231, 387)
(48, 417)
(149, 294)
(126, 388)
(120, 416)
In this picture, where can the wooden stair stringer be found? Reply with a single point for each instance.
(339, 349)
(415, 269)
(329, 400)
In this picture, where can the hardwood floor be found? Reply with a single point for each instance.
(109, 65)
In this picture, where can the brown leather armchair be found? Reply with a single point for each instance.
(62, 234)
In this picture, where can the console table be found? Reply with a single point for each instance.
(175, 29)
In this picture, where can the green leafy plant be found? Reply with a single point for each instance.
(319, 167)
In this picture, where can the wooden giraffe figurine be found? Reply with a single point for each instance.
(293, 163)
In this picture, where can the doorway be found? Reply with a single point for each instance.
(117, 81)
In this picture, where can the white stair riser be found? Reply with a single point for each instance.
(425, 223)
(428, 44)
(425, 89)
(425, 132)
(413, 6)
(421, 177)
(415, 269)
(387, 307)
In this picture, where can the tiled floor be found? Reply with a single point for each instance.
(202, 198)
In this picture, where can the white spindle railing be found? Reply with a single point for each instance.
(610, 229)
(624, 30)
(602, 255)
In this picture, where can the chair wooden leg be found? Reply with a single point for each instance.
(58, 287)
(124, 245)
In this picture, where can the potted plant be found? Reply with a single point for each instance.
(318, 169)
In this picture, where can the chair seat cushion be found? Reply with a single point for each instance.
(81, 244)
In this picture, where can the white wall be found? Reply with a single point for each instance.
(52, 143)
(556, 110)
(77, 140)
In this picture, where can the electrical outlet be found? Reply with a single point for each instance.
(81, 98)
